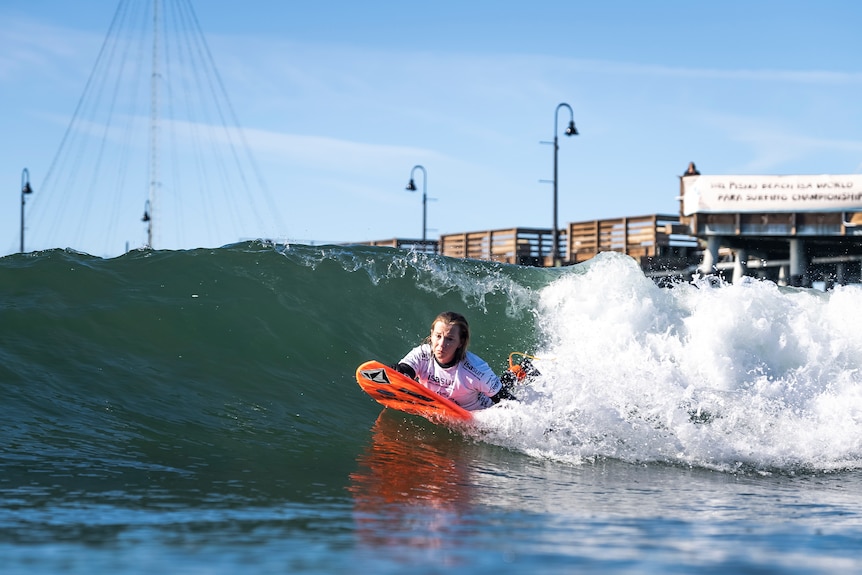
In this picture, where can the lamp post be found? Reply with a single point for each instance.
(570, 131)
(25, 189)
(411, 187)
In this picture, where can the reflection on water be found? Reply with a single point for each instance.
(412, 486)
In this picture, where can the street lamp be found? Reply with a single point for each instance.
(25, 189)
(411, 187)
(570, 131)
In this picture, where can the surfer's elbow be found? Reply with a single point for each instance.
(504, 393)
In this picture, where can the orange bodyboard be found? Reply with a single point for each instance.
(393, 389)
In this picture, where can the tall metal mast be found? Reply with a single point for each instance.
(150, 215)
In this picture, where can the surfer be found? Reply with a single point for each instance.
(443, 365)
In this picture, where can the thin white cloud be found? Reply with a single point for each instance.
(326, 152)
(608, 67)
(771, 146)
(27, 46)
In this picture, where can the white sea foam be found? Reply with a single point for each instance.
(743, 376)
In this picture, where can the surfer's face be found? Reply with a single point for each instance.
(445, 341)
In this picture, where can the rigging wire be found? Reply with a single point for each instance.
(72, 128)
(127, 131)
(244, 142)
(122, 59)
(210, 165)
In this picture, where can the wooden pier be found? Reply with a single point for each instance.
(422, 246)
(659, 242)
(794, 230)
(522, 246)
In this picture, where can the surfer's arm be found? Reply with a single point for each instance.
(507, 380)
(415, 362)
(405, 369)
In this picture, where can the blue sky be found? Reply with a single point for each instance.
(338, 100)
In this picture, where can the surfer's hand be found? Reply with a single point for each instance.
(528, 369)
(508, 378)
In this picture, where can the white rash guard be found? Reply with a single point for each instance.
(470, 383)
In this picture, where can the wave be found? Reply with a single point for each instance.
(214, 364)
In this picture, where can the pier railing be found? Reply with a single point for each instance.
(523, 246)
(657, 242)
(652, 236)
(423, 246)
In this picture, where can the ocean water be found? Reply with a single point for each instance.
(196, 412)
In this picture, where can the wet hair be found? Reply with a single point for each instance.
(454, 318)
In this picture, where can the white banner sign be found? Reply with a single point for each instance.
(710, 194)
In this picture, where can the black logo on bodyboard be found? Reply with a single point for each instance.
(375, 375)
(416, 395)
